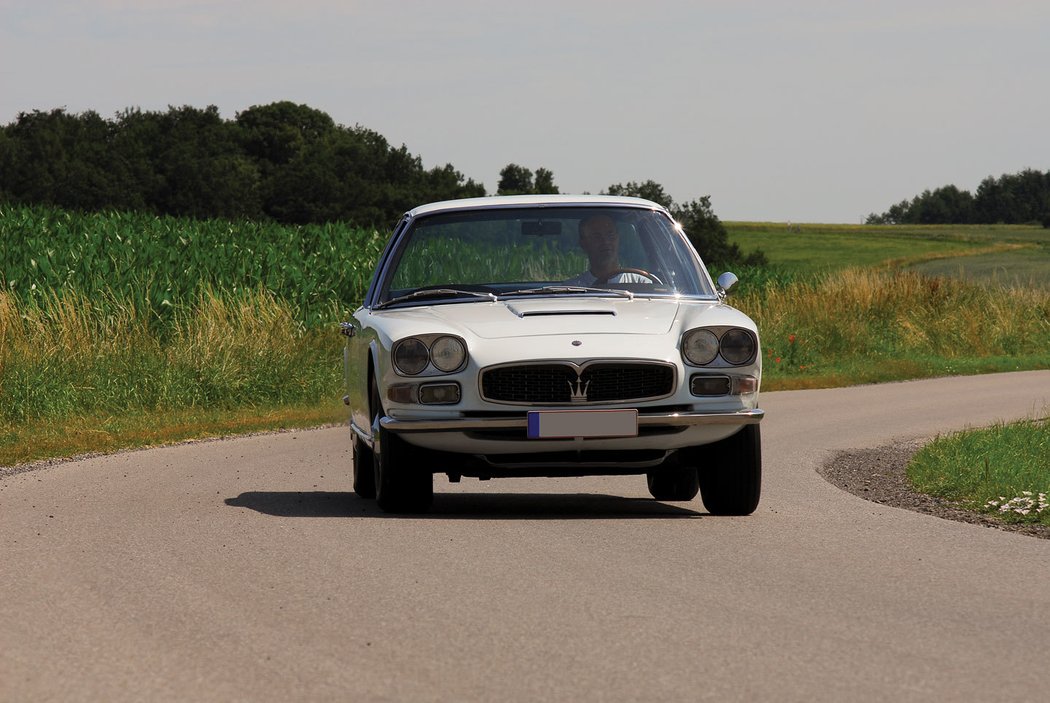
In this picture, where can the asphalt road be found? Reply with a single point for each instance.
(245, 570)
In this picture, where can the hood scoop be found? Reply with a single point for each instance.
(548, 313)
(545, 309)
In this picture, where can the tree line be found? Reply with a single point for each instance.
(281, 162)
(285, 162)
(1016, 198)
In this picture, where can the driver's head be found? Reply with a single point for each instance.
(600, 240)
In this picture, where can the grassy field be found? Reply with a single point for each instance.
(1028, 267)
(998, 254)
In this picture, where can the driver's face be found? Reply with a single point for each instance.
(600, 240)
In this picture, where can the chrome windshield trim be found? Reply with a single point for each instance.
(743, 417)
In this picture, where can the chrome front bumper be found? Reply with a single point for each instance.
(743, 417)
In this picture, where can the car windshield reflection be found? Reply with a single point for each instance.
(507, 252)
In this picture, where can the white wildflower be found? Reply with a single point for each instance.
(1024, 504)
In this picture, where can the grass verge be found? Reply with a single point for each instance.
(29, 442)
(1002, 470)
(81, 376)
(880, 369)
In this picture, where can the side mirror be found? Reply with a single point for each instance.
(726, 281)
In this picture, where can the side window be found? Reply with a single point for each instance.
(372, 296)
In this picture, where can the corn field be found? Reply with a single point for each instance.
(158, 264)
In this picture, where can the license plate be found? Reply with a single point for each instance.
(562, 424)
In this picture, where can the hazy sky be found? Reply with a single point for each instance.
(807, 111)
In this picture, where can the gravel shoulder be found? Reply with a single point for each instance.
(879, 475)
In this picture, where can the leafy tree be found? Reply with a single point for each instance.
(61, 159)
(544, 182)
(446, 183)
(274, 134)
(518, 180)
(515, 180)
(201, 167)
(283, 161)
(650, 190)
(6, 163)
(1011, 198)
(945, 205)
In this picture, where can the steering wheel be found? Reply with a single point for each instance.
(642, 272)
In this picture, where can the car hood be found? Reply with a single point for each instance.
(528, 318)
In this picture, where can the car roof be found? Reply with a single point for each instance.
(506, 201)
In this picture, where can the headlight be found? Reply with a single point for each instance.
(411, 356)
(448, 353)
(700, 346)
(738, 346)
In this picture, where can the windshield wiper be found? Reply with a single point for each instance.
(568, 289)
(435, 293)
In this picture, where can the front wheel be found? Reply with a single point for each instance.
(364, 474)
(731, 477)
(402, 484)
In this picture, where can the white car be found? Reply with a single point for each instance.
(551, 336)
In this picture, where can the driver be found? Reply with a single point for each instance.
(600, 241)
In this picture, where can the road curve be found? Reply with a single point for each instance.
(244, 570)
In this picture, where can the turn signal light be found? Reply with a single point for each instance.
(439, 393)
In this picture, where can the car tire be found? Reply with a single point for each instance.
(731, 478)
(402, 483)
(674, 483)
(364, 472)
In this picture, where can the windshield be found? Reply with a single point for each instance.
(542, 251)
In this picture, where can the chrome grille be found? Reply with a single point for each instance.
(557, 383)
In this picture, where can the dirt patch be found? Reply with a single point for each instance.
(879, 475)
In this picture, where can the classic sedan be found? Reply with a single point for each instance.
(551, 336)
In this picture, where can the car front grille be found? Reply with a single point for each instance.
(566, 383)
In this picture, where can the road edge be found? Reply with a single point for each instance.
(879, 475)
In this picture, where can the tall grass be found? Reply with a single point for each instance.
(880, 322)
(68, 355)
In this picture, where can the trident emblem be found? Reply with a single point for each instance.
(576, 394)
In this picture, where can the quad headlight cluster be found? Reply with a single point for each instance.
(414, 355)
(720, 348)
(428, 356)
(735, 346)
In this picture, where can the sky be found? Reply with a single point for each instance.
(808, 111)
